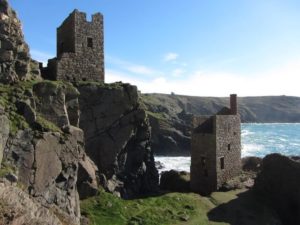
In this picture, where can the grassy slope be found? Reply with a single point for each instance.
(234, 207)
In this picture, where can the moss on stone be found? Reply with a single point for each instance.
(10, 94)
(6, 168)
(47, 125)
(159, 116)
(115, 85)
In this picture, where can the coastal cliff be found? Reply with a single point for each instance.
(171, 116)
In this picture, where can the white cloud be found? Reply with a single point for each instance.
(139, 69)
(278, 81)
(171, 56)
(177, 72)
(132, 67)
(40, 56)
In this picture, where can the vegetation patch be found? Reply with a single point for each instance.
(6, 168)
(159, 116)
(115, 85)
(166, 209)
(47, 125)
(232, 207)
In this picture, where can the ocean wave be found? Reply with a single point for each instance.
(181, 163)
(252, 149)
(246, 133)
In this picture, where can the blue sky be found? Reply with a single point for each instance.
(192, 47)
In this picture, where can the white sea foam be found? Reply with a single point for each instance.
(246, 133)
(180, 163)
(251, 149)
(257, 140)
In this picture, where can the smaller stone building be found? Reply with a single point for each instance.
(80, 51)
(216, 149)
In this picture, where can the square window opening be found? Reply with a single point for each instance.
(203, 161)
(90, 42)
(222, 163)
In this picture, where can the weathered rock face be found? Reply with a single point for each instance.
(251, 163)
(87, 182)
(47, 165)
(12, 210)
(57, 102)
(117, 137)
(279, 182)
(15, 61)
(171, 136)
(4, 132)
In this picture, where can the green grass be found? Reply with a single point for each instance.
(115, 85)
(178, 209)
(10, 94)
(6, 169)
(47, 125)
(166, 209)
(159, 116)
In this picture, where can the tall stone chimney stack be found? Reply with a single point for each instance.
(233, 104)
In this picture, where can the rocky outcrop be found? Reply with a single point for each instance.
(57, 102)
(279, 183)
(18, 208)
(47, 165)
(117, 137)
(251, 163)
(43, 149)
(4, 132)
(15, 61)
(87, 182)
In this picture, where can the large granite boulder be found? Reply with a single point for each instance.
(57, 102)
(117, 137)
(279, 183)
(87, 182)
(12, 210)
(15, 61)
(47, 166)
(251, 164)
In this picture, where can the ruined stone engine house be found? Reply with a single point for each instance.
(216, 149)
(80, 51)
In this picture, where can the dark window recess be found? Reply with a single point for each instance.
(222, 163)
(84, 79)
(90, 42)
(228, 147)
(203, 161)
(0, 44)
(234, 133)
(205, 173)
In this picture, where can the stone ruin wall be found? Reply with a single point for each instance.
(210, 143)
(228, 132)
(201, 181)
(80, 51)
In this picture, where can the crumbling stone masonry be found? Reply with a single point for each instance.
(216, 149)
(80, 51)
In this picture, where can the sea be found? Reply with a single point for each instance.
(258, 139)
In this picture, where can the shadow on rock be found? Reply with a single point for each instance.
(246, 209)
